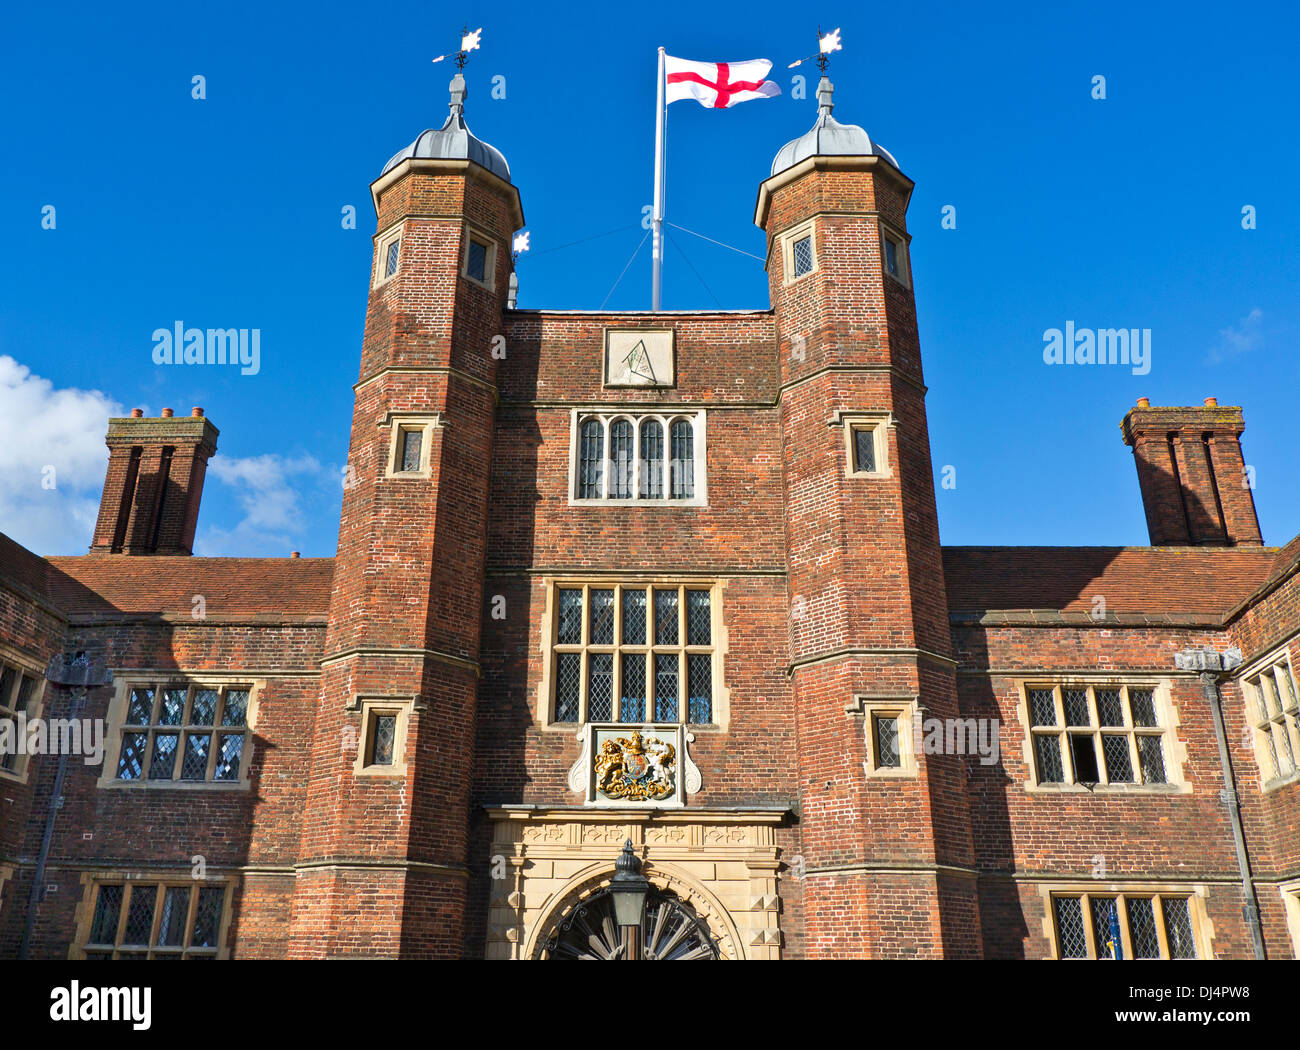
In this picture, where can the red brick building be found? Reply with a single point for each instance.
(669, 577)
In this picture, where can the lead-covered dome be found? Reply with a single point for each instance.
(828, 138)
(454, 140)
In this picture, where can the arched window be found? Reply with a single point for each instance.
(681, 469)
(620, 457)
(652, 459)
(591, 460)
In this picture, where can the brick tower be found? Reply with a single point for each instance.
(383, 868)
(887, 850)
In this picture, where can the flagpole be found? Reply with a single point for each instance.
(657, 253)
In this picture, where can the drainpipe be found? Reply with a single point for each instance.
(1212, 666)
(80, 671)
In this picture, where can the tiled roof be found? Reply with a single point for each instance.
(1152, 581)
(118, 584)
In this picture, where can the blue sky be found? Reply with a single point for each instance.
(225, 212)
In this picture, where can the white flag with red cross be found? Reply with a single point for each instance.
(718, 85)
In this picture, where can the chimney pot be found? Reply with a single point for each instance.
(294, 554)
(1211, 402)
(196, 412)
(1144, 402)
(166, 413)
(137, 413)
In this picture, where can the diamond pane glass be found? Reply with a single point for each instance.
(130, 762)
(194, 766)
(207, 917)
(1142, 702)
(600, 688)
(681, 468)
(1108, 946)
(666, 617)
(1042, 707)
(108, 906)
(1069, 928)
(666, 673)
(412, 447)
(887, 755)
(1047, 750)
(569, 630)
(172, 708)
(633, 671)
(1142, 928)
(1286, 686)
(1076, 707)
(8, 675)
(139, 914)
(390, 263)
(139, 711)
(477, 263)
(864, 449)
(235, 711)
(591, 460)
(698, 620)
(229, 752)
(634, 615)
(1110, 712)
(1178, 928)
(1119, 764)
(205, 707)
(1151, 758)
(620, 455)
(652, 459)
(385, 730)
(568, 671)
(8, 757)
(175, 913)
(26, 687)
(891, 257)
(601, 628)
(803, 256)
(699, 680)
(162, 766)
(1269, 687)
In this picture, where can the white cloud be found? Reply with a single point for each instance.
(52, 460)
(267, 489)
(1240, 338)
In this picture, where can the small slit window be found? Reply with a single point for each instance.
(391, 257)
(476, 261)
(803, 256)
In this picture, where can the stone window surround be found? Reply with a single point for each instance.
(382, 241)
(880, 423)
(1291, 903)
(36, 706)
(907, 709)
(788, 239)
(545, 705)
(636, 414)
(1202, 925)
(398, 422)
(904, 257)
(1175, 750)
(1246, 678)
(367, 707)
(90, 880)
(126, 679)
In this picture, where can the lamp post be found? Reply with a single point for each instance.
(629, 888)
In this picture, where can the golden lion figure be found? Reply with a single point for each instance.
(635, 768)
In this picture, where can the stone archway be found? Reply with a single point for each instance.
(671, 931)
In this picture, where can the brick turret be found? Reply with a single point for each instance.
(154, 483)
(868, 611)
(384, 853)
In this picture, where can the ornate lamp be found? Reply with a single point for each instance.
(629, 888)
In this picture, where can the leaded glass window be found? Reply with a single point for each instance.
(153, 919)
(891, 257)
(17, 691)
(864, 450)
(888, 755)
(621, 457)
(628, 652)
(1123, 925)
(410, 455)
(476, 260)
(803, 256)
(180, 732)
(1105, 734)
(1273, 704)
(390, 260)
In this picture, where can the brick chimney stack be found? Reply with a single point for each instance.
(1195, 486)
(154, 483)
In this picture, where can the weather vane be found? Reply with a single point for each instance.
(825, 45)
(468, 42)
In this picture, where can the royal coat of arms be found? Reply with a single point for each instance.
(636, 768)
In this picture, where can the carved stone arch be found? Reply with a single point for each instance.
(596, 877)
